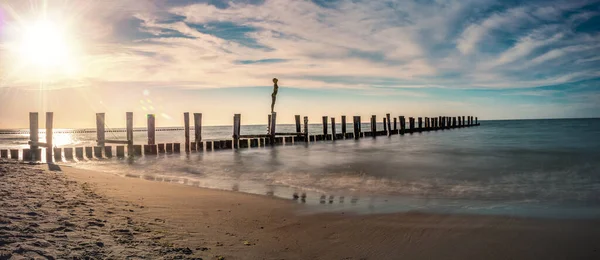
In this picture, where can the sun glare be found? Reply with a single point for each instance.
(44, 44)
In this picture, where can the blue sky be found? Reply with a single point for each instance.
(492, 59)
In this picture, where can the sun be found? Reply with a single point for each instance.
(44, 44)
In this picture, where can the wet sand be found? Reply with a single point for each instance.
(68, 213)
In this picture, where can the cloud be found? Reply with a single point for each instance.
(333, 44)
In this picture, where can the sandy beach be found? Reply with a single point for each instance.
(70, 213)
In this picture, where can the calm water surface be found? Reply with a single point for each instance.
(541, 168)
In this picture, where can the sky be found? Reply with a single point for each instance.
(487, 58)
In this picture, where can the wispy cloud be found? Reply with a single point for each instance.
(450, 44)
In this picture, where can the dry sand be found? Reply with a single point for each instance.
(66, 214)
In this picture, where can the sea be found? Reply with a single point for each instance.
(527, 168)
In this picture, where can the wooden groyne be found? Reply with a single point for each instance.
(127, 147)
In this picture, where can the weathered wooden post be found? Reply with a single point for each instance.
(68, 154)
(389, 124)
(356, 122)
(463, 121)
(395, 124)
(332, 128)
(374, 126)
(151, 129)
(420, 124)
(325, 127)
(108, 151)
(100, 124)
(186, 127)
(49, 126)
(298, 128)
(14, 154)
(385, 129)
(402, 124)
(33, 137)
(198, 132)
(269, 119)
(237, 118)
(306, 129)
(129, 118)
(476, 121)
(344, 126)
(273, 126)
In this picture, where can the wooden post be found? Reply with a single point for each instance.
(374, 125)
(269, 119)
(129, 117)
(236, 130)
(151, 129)
(49, 126)
(298, 128)
(100, 134)
(344, 125)
(476, 121)
(14, 154)
(33, 135)
(333, 128)
(57, 155)
(273, 125)
(176, 148)
(198, 131)
(98, 151)
(356, 124)
(395, 124)
(463, 121)
(89, 152)
(108, 151)
(389, 124)
(325, 126)
(420, 123)
(68, 154)
(186, 126)
(385, 128)
(306, 129)
(402, 125)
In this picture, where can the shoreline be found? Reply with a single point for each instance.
(233, 225)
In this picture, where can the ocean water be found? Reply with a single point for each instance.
(533, 168)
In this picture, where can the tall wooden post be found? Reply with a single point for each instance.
(356, 124)
(33, 135)
(269, 119)
(463, 121)
(151, 129)
(395, 124)
(273, 126)
(325, 127)
(306, 129)
(129, 124)
(402, 124)
(237, 118)
(298, 129)
(186, 128)
(420, 123)
(389, 124)
(49, 124)
(305, 132)
(198, 131)
(344, 126)
(374, 125)
(385, 128)
(333, 128)
(100, 134)
(476, 121)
